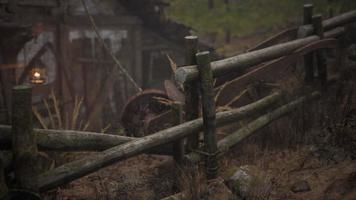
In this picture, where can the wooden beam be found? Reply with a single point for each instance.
(82, 167)
(283, 36)
(3, 186)
(191, 92)
(308, 59)
(340, 20)
(320, 54)
(41, 3)
(24, 143)
(243, 61)
(233, 139)
(69, 140)
(209, 117)
(178, 146)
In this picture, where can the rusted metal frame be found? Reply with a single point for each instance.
(286, 35)
(133, 107)
(209, 116)
(173, 92)
(278, 65)
(157, 122)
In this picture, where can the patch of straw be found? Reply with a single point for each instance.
(56, 108)
(39, 117)
(172, 64)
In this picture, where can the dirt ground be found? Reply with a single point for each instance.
(154, 177)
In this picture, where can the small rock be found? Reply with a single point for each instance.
(339, 156)
(218, 191)
(300, 186)
(249, 182)
(342, 188)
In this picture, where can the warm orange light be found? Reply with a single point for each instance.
(36, 76)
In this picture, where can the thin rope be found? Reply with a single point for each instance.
(101, 40)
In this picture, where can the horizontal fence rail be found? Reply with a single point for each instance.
(231, 140)
(243, 61)
(67, 140)
(79, 168)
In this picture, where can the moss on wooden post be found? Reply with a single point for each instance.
(320, 55)
(24, 141)
(308, 59)
(191, 89)
(178, 146)
(209, 116)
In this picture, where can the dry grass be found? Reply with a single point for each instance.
(53, 118)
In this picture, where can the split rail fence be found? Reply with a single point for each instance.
(197, 77)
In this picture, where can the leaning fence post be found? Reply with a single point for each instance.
(23, 142)
(320, 57)
(208, 104)
(191, 90)
(178, 146)
(308, 59)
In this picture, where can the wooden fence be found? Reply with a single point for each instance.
(197, 79)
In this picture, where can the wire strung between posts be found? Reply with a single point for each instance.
(101, 40)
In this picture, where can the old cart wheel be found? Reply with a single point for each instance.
(140, 108)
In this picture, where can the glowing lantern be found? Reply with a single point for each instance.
(37, 76)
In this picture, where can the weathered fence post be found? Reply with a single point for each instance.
(3, 186)
(320, 57)
(24, 143)
(178, 146)
(209, 118)
(191, 90)
(341, 53)
(308, 59)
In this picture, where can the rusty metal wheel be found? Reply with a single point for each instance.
(140, 108)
